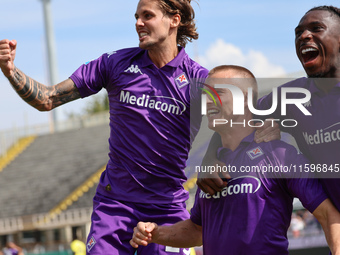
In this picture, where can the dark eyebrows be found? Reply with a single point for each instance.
(144, 12)
(316, 23)
(309, 24)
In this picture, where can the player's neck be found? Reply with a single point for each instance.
(162, 55)
(232, 138)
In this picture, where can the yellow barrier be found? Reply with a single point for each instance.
(77, 193)
(190, 184)
(15, 150)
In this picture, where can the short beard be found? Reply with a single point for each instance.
(316, 75)
(146, 46)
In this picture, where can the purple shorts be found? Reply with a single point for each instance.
(113, 222)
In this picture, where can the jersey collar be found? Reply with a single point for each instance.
(173, 63)
(245, 142)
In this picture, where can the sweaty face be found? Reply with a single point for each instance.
(317, 43)
(152, 25)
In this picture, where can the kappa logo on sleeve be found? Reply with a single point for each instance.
(109, 54)
(90, 244)
(255, 153)
(133, 69)
(181, 80)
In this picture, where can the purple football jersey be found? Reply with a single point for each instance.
(10, 251)
(149, 122)
(252, 214)
(318, 135)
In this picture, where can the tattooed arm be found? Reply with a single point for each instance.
(41, 97)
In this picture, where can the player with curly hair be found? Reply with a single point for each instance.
(151, 89)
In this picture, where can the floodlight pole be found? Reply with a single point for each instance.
(51, 54)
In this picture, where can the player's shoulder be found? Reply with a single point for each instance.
(123, 53)
(279, 145)
(296, 83)
(282, 151)
(194, 64)
(198, 68)
(119, 60)
(194, 68)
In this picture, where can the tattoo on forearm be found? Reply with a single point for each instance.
(27, 88)
(65, 96)
(40, 96)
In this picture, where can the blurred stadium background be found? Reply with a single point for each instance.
(48, 178)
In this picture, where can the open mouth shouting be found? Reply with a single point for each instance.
(308, 55)
(212, 112)
(142, 35)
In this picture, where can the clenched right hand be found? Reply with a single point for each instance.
(7, 56)
(143, 234)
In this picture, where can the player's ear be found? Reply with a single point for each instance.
(175, 20)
